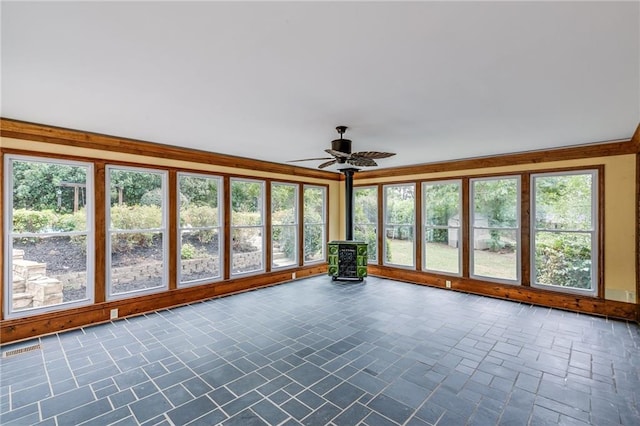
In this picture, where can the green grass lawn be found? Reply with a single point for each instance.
(442, 257)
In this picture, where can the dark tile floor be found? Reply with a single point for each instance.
(315, 352)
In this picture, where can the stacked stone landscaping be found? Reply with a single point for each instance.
(31, 286)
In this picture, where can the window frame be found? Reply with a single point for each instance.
(385, 262)
(595, 232)
(295, 225)
(323, 224)
(262, 226)
(9, 236)
(518, 230)
(163, 230)
(219, 228)
(459, 228)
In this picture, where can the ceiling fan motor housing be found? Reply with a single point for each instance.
(342, 145)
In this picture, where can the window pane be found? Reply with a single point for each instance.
(136, 230)
(137, 199)
(400, 204)
(314, 223)
(48, 271)
(495, 203)
(284, 202)
(51, 190)
(563, 259)
(199, 255)
(442, 204)
(314, 205)
(368, 234)
(49, 241)
(137, 261)
(441, 250)
(399, 246)
(442, 201)
(365, 209)
(199, 227)
(284, 245)
(199, 201)
(495, 254)
(246, 250)
(564, 202)
(246, 203)
(314, 243)
(365, 226)
(399, 214)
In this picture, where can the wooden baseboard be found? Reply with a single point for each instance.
(13, 330)
(534, 296)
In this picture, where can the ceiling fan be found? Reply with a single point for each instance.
(341, 154)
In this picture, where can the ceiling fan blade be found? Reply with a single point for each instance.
(372, 154)
(361, 162)
(328, 163)
(309, 159)
(337, 153)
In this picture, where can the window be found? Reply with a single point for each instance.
(365, 219)
(247, 226)
(399, 225)
(49, 244)
(199, 257)
(284, 221)
(315, 200)
(564, 218)
(442, 243)
(495, 228)
(137, 241)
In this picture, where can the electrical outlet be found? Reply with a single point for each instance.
(293, 275)
(448, 284)
(114, 313)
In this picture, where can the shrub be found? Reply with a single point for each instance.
(564, 261)
(136, 217)
(33, 220)
(187, 251)
(200, 216)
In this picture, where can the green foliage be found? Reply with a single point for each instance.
(37, 185)
(201, 191)
(314, 204)
(200, 217)
(496, 199)
(246, 196)
(563, 260)
(135, 217)
(313, 241)
(134, 185)
(563, 202)
(400, 210)
(246, 218)
(33, 220)
(442, 203)
(187, 251)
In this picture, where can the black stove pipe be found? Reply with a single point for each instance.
(348, 202)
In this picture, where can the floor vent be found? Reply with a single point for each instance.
(15, 352)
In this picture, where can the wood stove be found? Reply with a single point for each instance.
(348, 259)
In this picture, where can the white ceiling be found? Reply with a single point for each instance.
(431, 81)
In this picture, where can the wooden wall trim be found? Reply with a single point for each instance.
(534, 296)
(61, 136)
(24, 328)
(605, 149)
(637, 134)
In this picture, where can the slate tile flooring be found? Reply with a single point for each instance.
(317, 352)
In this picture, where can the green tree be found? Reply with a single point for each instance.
(39, 185)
